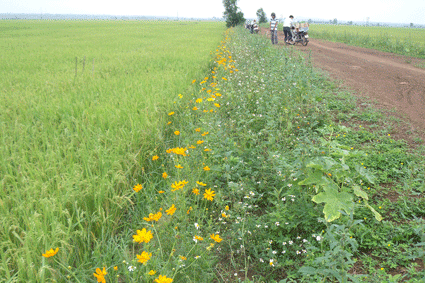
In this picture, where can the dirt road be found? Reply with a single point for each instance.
(392, 80)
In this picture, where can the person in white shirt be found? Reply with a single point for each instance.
(287, 25)
(273, 28)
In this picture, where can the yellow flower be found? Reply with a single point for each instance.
(180, 95)
(164, 175)
(207, 149)
(227, 207)
(161, 192)
(192, 83)
(192, 147)
(178, 150)
(204, 134)
(198, 129)
(155, 157)
(177, 133)
(137, 188)
(152, 272)
(171, 210)
(182, 257)
(144, 257)
(115, 267)
(169, 123)
(142, 236)
(195, 108)
(155, 216)
(201, 184)
(198, 238)
(199, 100)
(209, 195)
(163, 279)
(216, 238)
(224, 78)
(179, 166)
(100, 275)
(195, 191)
(199, 142)
(51, 252)
(171, 113)
(178, 185)
(216, 105)
(206, 168)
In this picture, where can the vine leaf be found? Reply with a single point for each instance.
(334, 202)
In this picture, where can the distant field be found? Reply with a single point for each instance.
(404, 41)
(81, 104)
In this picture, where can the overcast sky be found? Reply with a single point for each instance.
(393, 11)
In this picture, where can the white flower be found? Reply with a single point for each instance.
(261, 260)
(290, 242)
(197, 226)
(277, 224)
(289, 185)
(131, 268)
(284, 243)
(298, 252)
(236, 274)
(274, 252)
(283, 252)
(318, 238)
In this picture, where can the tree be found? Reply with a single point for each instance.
(261, 15)
(335, 21)
(232, 14)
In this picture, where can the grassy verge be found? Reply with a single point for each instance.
(293, 192)
(403, 41)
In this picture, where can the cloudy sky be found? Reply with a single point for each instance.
(394, 11)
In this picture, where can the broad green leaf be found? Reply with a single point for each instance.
(334, 203)
(315, 178)
(365, 174)
(360, 193)
(378, 216)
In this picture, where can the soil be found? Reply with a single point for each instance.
(393, 82)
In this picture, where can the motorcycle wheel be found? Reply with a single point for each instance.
(304, 41)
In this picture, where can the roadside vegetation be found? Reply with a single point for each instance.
(403, 41)
(259, 169)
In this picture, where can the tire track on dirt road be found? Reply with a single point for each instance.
(391, 80)
(387, 78)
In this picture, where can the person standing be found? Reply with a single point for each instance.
(287, 25)
(273, 28)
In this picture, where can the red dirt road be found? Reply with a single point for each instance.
(392, 80)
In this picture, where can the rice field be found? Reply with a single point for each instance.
(82, 104)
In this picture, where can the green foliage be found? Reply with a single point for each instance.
(232, 14)
(261, 15)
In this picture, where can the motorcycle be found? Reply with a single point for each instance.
(300, 35)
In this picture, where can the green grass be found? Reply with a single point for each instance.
(299, 195)
(82, 104)
(404, 41)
